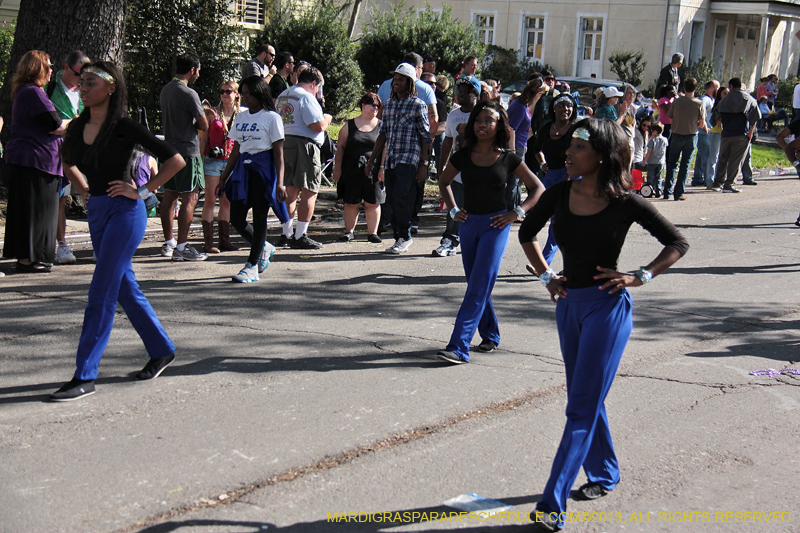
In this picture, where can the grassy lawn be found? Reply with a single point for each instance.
(768, 157)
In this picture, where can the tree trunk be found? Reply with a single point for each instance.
(351, 28)
(57, 27)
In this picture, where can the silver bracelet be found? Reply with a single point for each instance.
(520, 212)
(644, 275)
(547, 276)
(144, 192)
(454, 212)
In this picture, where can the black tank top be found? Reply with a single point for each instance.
(359, 148)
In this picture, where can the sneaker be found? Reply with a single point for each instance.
(487, 346)
(445, 248)
(347, 237)
(373, 238)
(64, 255)
(414, 230)
(155, 367)
(753, 183)
(797, 222)
(450, 357)
(285, 242)
(167, 249)
(266, 255)
(400, 245)
(715, 188)
(304, 243)
(247, 274)
(730, 189)
(188, 254)
(546, 521)
(73, 390)
(590, 491)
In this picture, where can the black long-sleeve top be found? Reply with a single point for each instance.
(587, 242)
(112, 164)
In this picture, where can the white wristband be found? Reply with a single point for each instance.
(454, 212)
(144, 192)
(547, 276)
(520, 212)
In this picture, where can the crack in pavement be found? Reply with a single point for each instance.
(329, 462)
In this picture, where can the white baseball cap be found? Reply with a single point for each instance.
(611, 92)
(406, 70)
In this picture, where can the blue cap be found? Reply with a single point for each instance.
(472, 80)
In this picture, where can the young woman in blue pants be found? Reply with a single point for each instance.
(486, 166)
(591, 217)
(100, 144)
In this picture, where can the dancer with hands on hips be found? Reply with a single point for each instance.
(486, 167)
(591, 217)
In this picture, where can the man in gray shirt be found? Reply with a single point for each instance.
(181, 116)
(739, 113)
(261, 64)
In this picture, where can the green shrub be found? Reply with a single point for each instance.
(702, 70)
(6, 41)
(785, 98)
(628, 65)
(319, 36)
(506, 65)
(391, 34)
(157, 30)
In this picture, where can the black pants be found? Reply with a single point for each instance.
(256, 233)
(32, 215)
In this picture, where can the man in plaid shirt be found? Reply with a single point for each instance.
(406, 136)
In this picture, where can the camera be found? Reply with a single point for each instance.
(217, 152)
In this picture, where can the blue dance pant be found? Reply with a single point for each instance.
(482, 249)
(552, 177)
(593, 328)
(117, 226)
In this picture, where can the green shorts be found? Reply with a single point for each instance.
(189, 178)
(301, 161)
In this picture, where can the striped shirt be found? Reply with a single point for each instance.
(405, 126)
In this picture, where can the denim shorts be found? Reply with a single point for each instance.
(214, 167)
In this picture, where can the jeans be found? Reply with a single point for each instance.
(451, 228)
(401, 193)
(117, 227)
(593, 330)
(654, 172)
(550, 247)
(681, 147)
(701, 161)
(713, 154)
(482, 249)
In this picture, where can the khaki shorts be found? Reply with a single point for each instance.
(302, 167)
(189, 178)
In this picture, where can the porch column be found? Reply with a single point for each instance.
(762, 48)
(788, 33)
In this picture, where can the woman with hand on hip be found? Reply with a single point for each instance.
(99, 144)
(591, 217)
(486, 166)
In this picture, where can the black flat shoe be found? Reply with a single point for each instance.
(590, 491)
(155, 367)
(33, 268)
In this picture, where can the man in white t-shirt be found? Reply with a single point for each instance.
(304, 124)
(703, 142)
(468, 90)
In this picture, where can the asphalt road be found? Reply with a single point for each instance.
(314, 391)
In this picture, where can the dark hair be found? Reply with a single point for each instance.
(282, 59)
(428, 74)
(186, 62)
(546, 73)
(468, 59)
(710, 84)
(412, 87)
(531, 88)
(551, 113)
(370, 98)
(503, 129)
(117, 108)
(648, 118)
(263, 48)
(413, 59)
(689, 85)
(656, 127)
(735, 83)
(310, 75)
(259, 89)
(76, 57)
(608, 139)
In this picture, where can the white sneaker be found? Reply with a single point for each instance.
(247, 274)
(266, 255)
(167, 249)
(64, 255)
(400, 245)
(446, 248)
